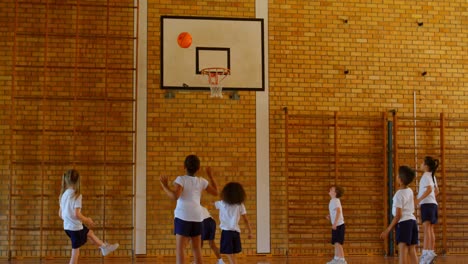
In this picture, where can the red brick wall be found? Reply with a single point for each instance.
(310, 47)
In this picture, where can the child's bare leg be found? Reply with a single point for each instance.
(232, 258)
(427, 235)
(215, 249)
(94, 238)
(413, 257)
(74, 256)
(196, 248)
(181, 242)
(339, 252)
(432, 237)
(403, 253)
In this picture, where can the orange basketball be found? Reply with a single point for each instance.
(184, 40)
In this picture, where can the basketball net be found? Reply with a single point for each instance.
(216, 91)
(215, 77)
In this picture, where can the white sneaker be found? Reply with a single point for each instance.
(333, 261)
(220, 261)
(106, 249)
(422, 259)
(430, 257)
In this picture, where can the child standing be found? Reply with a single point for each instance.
(428, 190)
(209, 232)
(73, 219)
(338, 225)
(231, 209)
(188, 212)
(404, 219)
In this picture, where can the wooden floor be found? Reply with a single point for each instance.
(242, 260)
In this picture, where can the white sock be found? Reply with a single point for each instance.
(424, 252)
(337, 258)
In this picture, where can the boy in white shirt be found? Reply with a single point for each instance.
(404, 219)
(338, 225)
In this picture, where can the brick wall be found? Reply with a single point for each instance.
(311, 44)
(68, 103)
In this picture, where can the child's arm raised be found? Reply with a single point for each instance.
(392, 224)
(212, 188)
(246, 221)
(173, 194)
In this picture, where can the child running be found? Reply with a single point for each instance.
(231, 209)
(338, 225)
(188, 212)
(73, 219)
(404, 219)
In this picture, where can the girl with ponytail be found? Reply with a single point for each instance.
(428, 190)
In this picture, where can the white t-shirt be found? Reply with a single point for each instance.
(332, 207)
(426, 180)
(68, 204)
(205, 213)
(229, 215)
(188, 206)
(404, 199)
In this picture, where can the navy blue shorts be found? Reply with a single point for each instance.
(407, 232)
(187, 228)
(208, 229)
(79, 237)
(338, 235)
(230, 242)
(429, 212)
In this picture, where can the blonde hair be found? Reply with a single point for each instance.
(71, 179)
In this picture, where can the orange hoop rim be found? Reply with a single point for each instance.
(215, 70)
(215, 74)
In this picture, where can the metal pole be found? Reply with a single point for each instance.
(336, 147)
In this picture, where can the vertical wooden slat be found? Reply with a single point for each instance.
(43, 142)
(12, 124)
(395, 156)
(106, 115)
(444, 181)
(385, 181)
(286, 172)
(135, 107)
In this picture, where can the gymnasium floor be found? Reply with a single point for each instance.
(243, 260)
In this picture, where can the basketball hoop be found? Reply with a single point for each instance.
(215, 76)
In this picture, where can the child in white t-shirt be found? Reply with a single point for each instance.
(188, 212)
(404, 219)
(427, 201)
(231, 209)
(338, 225)
(73, 219)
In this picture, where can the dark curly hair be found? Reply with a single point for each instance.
(192, 164)
(406, 174)
(233, 193)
